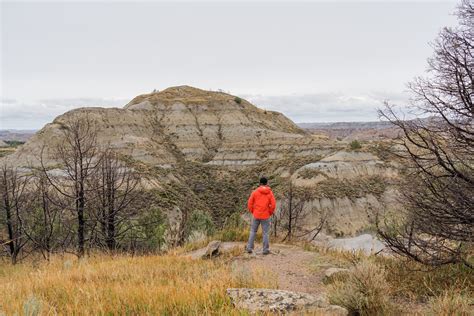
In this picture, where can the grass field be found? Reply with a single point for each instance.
(123, 285)
(172, 284)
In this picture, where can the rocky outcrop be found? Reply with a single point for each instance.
(350, 186)
(343, 165)
(280, 301)
(185, 124)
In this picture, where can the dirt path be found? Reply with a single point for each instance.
(293, 267)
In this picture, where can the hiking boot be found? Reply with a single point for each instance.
(266, 253)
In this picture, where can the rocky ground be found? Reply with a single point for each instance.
(298, 278)
(290, 265)
(300, 275)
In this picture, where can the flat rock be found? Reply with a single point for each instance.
(224, 247)
(280, 301)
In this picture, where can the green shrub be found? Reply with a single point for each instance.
(233, 235)
(14, 143)
(355, 144)
(238, 100)
(201, 222)
(148, 231)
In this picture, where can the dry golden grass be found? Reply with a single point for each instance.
(406, 285)
(365, 291)
(452, 303)
(417, 282)
(124, 285)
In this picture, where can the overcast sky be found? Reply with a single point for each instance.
(313, 61)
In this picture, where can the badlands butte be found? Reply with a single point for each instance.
(205, 150)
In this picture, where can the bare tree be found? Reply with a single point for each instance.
(78, 156)
(44, 223)
(437, 224)
(14, 201)
(117, 193)
(292, 215)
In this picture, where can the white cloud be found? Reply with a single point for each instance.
(329, 107)
(19, 114)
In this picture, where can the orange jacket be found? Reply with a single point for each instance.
(262, 202)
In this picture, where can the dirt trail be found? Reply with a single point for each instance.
(293, 267)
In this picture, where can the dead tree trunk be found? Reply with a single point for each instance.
(77, 154)
(117, 189)
(13, 191)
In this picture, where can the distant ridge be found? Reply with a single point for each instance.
(354, 125)
(366, 131)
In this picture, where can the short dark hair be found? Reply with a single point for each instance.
(263, 180)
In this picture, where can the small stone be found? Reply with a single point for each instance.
(212, 249)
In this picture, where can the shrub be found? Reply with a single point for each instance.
(414, 281)
(201, 222)
(146, 233)
(355, 144)
(14, 143)
(364, 292)
(238, 100)
(236, 234)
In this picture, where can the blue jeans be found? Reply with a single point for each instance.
(253, 232)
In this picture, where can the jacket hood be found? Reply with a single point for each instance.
(264, 189)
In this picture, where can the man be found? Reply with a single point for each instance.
(262, 205)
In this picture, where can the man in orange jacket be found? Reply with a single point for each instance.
(262, 205)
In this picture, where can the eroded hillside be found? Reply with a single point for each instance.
(204, 151)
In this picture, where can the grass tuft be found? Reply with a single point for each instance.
(452, 303)
(365, 291)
